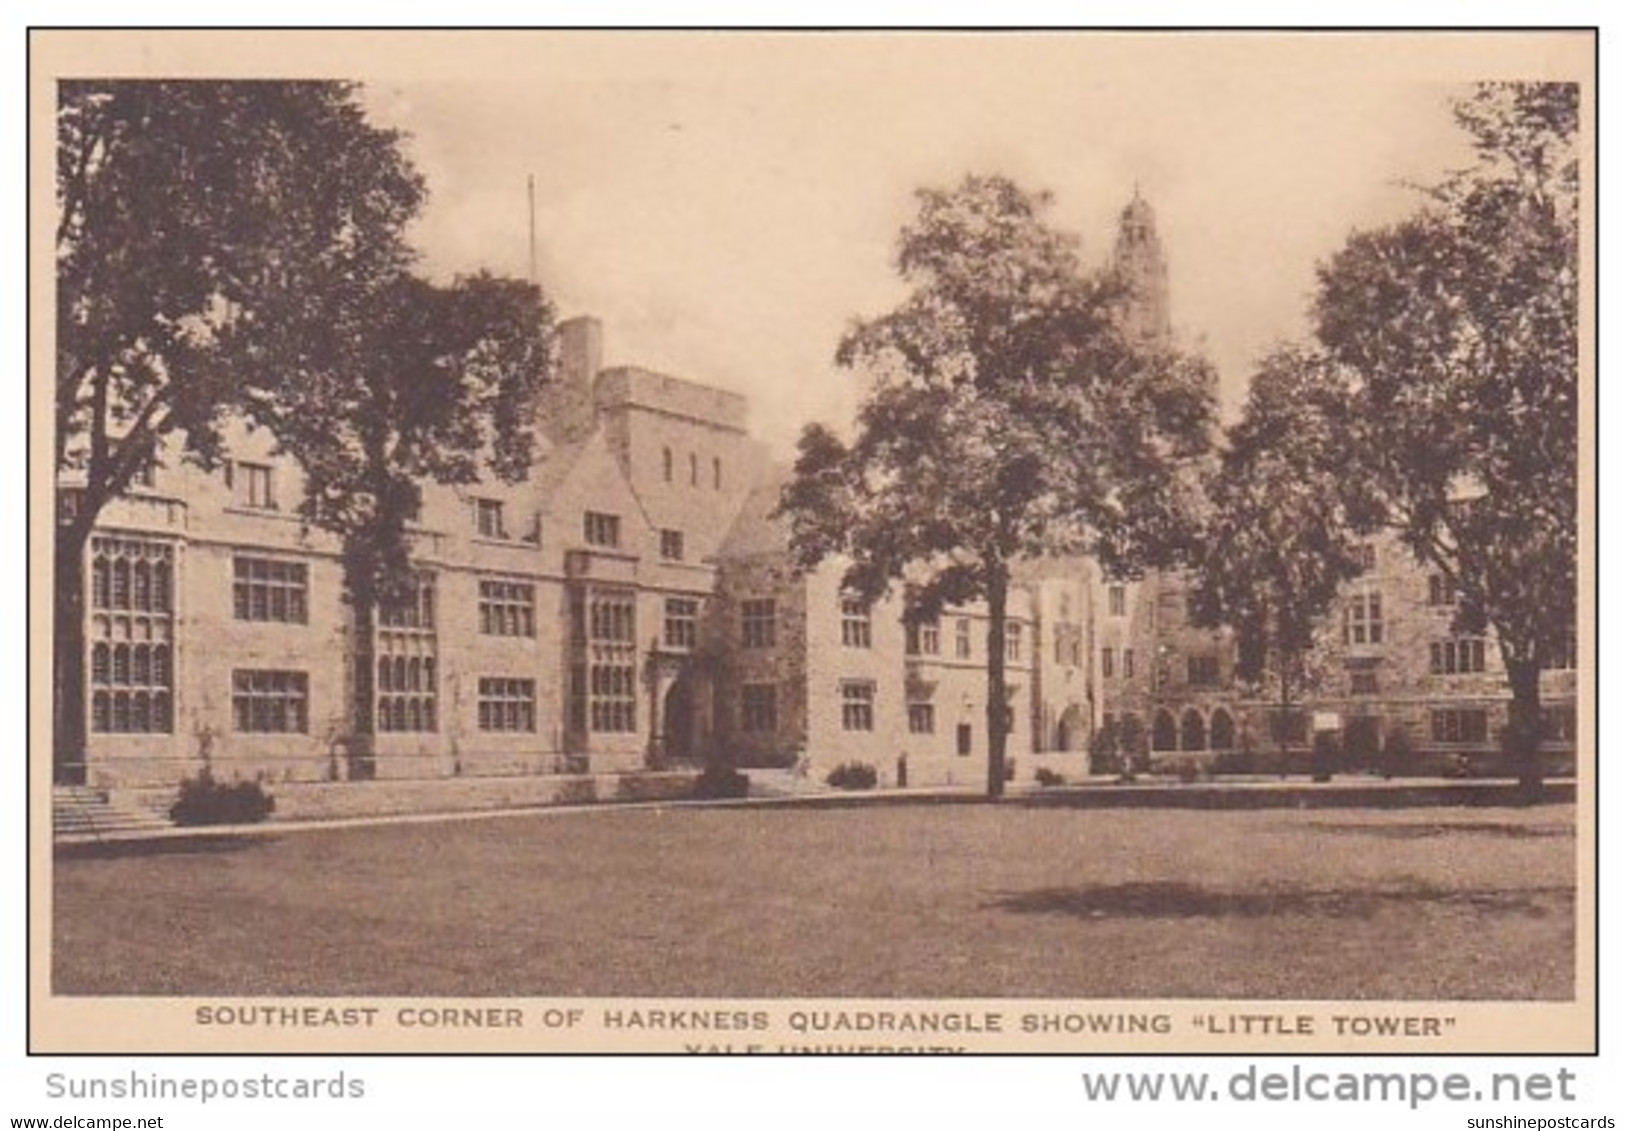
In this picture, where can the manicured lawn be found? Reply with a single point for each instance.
(928, 901)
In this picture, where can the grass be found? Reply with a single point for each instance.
(930, 901)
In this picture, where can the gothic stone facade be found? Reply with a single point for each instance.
(1394, 681)
(633, 602)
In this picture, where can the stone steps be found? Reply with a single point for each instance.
(84, 813)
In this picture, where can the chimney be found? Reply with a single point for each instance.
(567, 410)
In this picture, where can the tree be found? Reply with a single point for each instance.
(192, 218)
(415, 383)
(1459, 326)
(1009, 419)
(1279, 534)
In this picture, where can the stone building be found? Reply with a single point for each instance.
(633, 602)
(552, 621)
(815, 678)
(1391, 673)
(630, 603)
(1392, 679)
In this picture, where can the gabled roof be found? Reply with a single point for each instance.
(755, 530)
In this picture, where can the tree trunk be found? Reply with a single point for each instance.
(998, 711)
(363, 764)
(1521, 742)
(68, 738)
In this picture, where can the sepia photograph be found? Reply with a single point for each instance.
(813, 541)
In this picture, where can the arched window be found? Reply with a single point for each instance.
(666, 463)
(693, 470)
(1192, 730)
(1164, 735)
(716, 472)
(1222, 730)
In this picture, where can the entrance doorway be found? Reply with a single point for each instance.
(1072, 732)
(677, 722)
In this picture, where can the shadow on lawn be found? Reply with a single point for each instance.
(166, 846)
(1172, 900)
(1444, 828)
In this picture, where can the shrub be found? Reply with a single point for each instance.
(720, 781)
(204, 801)
(1048, 777)
(1103, 758)
(853, 775)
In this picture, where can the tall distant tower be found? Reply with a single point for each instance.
(1139, 262)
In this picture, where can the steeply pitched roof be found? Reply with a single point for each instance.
(755, 531)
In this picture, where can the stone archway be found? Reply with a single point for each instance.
(677, 721)
(1222, 730)
(1192, 730)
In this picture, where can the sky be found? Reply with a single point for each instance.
(727, 203)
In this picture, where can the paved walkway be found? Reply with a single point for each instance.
(1241, 793)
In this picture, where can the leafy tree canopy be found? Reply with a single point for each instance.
(1459, 329)
(418, 383)
(1008, 418)
(193, 215)
(1278, 534)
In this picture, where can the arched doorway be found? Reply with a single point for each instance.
(1164, 735)
(1222, 730)
(677, 721)
(1071, 733)
(1192, 730)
